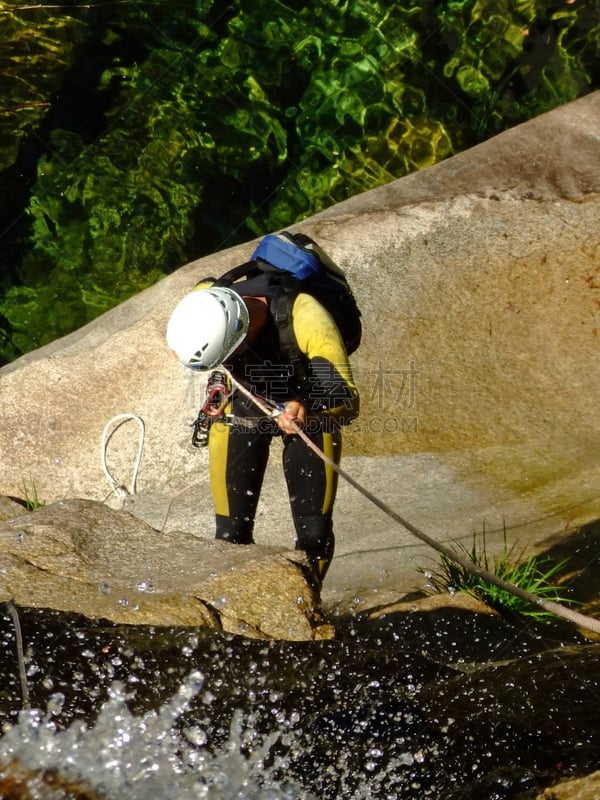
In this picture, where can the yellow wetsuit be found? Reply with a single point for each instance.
(239, 450)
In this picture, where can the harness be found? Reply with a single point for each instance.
(216, 398)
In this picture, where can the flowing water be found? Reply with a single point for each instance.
(459, 708)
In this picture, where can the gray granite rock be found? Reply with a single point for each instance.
(479, 369)
(82, 556)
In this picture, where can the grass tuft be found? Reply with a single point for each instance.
(30, 496)
(535, 574)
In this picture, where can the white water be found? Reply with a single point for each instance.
(146, 757)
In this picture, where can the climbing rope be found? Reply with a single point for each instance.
(120, 419)
(581, 620)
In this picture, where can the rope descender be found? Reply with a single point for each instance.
(215, 400)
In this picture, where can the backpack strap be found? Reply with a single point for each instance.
(280, 306)
(235, 273)
(281, 288)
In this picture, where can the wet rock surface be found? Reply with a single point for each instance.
(18, 782)
(577, 789)
(404, 690)
(82, 556)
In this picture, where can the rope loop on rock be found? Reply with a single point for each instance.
(558, 610)
(120, 419)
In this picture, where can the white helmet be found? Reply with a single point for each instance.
(207, 326)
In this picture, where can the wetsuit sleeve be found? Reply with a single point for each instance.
(331, 390)
(205, 283)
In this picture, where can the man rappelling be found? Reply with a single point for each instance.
(282, 327)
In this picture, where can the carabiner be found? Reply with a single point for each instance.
(216, 396)
(279, 409)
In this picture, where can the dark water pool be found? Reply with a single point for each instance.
(451, 707)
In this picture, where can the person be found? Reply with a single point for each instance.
(215, 325)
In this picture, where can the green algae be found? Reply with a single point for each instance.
(135, 139)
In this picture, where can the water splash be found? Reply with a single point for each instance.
(146, 757)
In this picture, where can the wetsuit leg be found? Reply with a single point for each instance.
(238, 458)
(312, 487)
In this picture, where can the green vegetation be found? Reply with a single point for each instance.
(134, 138)
(30, 495)
(533, 574)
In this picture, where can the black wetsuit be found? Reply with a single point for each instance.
(239, 449)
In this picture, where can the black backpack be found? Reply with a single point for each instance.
(285, 264)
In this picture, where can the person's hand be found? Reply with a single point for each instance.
(292, 417)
